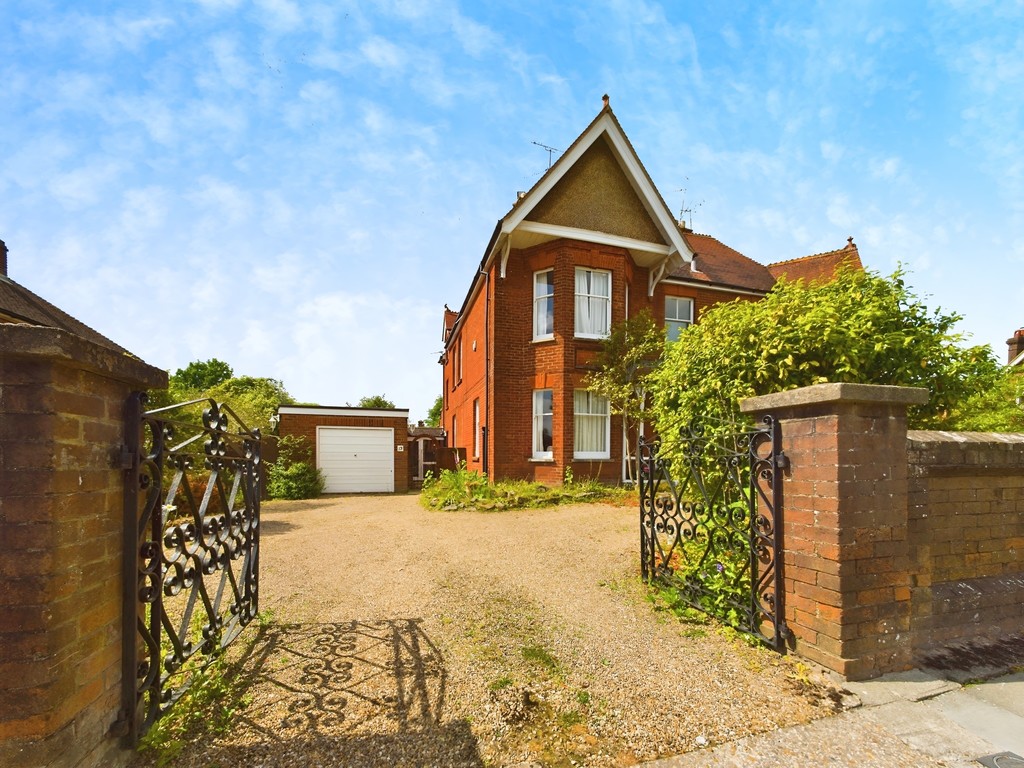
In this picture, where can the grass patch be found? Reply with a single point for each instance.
(500, 683)
(540, 656)
(463, 489)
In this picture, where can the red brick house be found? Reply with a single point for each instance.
(590, 244)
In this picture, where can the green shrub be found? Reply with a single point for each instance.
(293, 476)
(464, 489)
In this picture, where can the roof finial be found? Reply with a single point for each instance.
(849, 242)
(605, 99)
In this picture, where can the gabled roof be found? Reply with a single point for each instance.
(818, 266)
(19, 305)
(515, 229)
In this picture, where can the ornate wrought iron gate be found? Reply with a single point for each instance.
(191, 533)
(711, 524)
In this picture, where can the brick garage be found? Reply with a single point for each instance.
(360, 450)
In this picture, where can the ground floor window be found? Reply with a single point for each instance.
(542, 423)
(592, 428)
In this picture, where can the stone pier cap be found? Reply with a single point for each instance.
(836, 392)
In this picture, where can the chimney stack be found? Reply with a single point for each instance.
(3, 258)
(1016, 344)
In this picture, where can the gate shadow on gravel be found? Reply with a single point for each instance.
(361, 693)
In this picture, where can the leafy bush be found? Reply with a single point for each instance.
(859, 327)
(293, 475)
(465, 489)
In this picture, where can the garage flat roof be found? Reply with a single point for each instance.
(327, 410)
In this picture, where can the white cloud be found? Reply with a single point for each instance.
(383, 54)
(831, 151)
(86, 185)
(101, 36)
(280, 15)
(885, 168)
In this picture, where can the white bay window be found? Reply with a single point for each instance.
(543, 423)
(593, 303)
(592, 426)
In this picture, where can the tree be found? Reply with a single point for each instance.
(434, 414)
(630, 353)
(375, 401)
(202, 374)
(858, 327)
(255, 399)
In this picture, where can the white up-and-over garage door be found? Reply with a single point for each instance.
(356, 459)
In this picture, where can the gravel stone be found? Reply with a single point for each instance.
(402, 636)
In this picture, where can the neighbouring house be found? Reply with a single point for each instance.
(359, 450)
(1016, 345)
(590, 244)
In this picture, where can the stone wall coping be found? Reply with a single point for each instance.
(930, 436)
(55, 344)
(836, 392)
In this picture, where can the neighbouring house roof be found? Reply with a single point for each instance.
(818, 266)
(20, 305)
(435, 432)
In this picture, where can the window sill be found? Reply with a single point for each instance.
(590, 338)
(535, 460)
(542, 339)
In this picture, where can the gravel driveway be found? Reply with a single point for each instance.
(407, 637)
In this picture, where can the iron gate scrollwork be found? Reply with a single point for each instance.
(711, 524)
(191, 532)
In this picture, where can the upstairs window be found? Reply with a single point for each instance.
(678, 315)
(542, 423)
(593, 303)
(544, 305)
(592, 426)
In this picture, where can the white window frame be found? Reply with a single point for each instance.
(545, 297)
(584, 408)
(675, 323)
(476, 428)
(590, 298)
(539, 414)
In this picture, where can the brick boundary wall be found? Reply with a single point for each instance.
(61, 502)
(885, 558)
(966, 529)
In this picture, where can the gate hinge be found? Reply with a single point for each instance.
(120, 727)
(127, 457)
(782, 460)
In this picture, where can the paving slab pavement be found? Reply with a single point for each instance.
(920, 719)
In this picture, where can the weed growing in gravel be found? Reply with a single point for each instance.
(207, 708)
(500, 683)
(542, 657)
(463, 489)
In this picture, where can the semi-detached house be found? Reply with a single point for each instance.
(592, 243)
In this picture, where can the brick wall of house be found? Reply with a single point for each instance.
(466, 378)
(894, 545)
(519, 365)
(61, 505)
(966, 531)
(304, 425)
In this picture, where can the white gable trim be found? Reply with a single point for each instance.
(603, 238)
(652, 202)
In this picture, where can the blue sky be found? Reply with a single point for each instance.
(299, 187)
